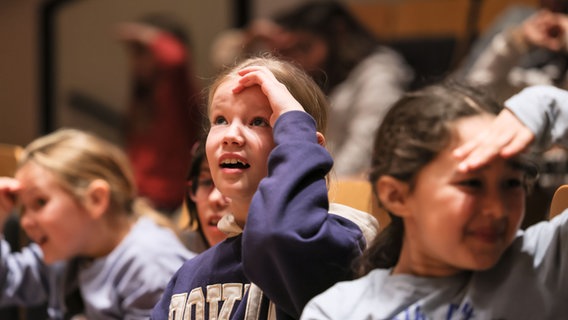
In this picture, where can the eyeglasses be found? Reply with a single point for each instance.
(204, 185)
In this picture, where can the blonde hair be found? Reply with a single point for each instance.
(298, 82)
(77, 158)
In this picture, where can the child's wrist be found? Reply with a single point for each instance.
(519, 39)
(275, 118)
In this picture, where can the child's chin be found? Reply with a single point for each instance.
(51, 259)
(484, 265)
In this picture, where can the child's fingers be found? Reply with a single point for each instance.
(256, 76)
(9, 185)
(250, 69)
(519, 137)
(467, 148)
(252, 76)
(275, 91)
(8, 194)
(519, 143)
(506, 137)
(477, 154)
(486, 143)
(281, 100)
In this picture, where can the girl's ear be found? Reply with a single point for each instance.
(97, 198)
(392, 194)
(321, 139)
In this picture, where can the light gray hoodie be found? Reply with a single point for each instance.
(529, 282)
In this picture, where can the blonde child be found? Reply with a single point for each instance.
(454, 249)
(265, 151)
(78, 206)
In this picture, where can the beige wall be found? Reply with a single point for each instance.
(18, 71)
(90, 59)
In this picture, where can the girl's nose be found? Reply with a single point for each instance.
(234, 135)
(494, 205)
(26, 222)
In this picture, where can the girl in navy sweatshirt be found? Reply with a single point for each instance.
(286, 242)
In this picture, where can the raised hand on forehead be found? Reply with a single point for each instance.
(280, 99)
(545, 29)
(8, 189)
(506, 137)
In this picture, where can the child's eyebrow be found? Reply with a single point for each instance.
(26, 190)
(523, 164)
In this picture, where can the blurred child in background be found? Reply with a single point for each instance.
(163, 118)
(204, 203)
(89, 230)
(361, 76)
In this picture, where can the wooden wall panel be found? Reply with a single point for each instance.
(432, 18)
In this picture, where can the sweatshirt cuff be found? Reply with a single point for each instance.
(295, 125)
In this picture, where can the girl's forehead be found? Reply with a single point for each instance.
(250, 99)
(468, 128)
(223, 91)
(32, 175)
(226, 84)
(31, 170)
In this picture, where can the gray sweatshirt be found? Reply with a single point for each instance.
(530, 281)
(126, 284)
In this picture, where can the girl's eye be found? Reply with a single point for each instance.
(37, 203)
(259, 122)
(207, 183)
(40, 202)
(513, 183)
(471, 183)
(219, 120)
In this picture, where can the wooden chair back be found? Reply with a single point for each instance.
(559, 201)
(357, 193)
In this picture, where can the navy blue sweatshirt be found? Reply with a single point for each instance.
(291, 248)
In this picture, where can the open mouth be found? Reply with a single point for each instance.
(489, 235)
(234, 164)
(41, 240)
(213, 222)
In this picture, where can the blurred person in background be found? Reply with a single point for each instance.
(204, 205)
(524, 53)
(360, 76)
(163, 117)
